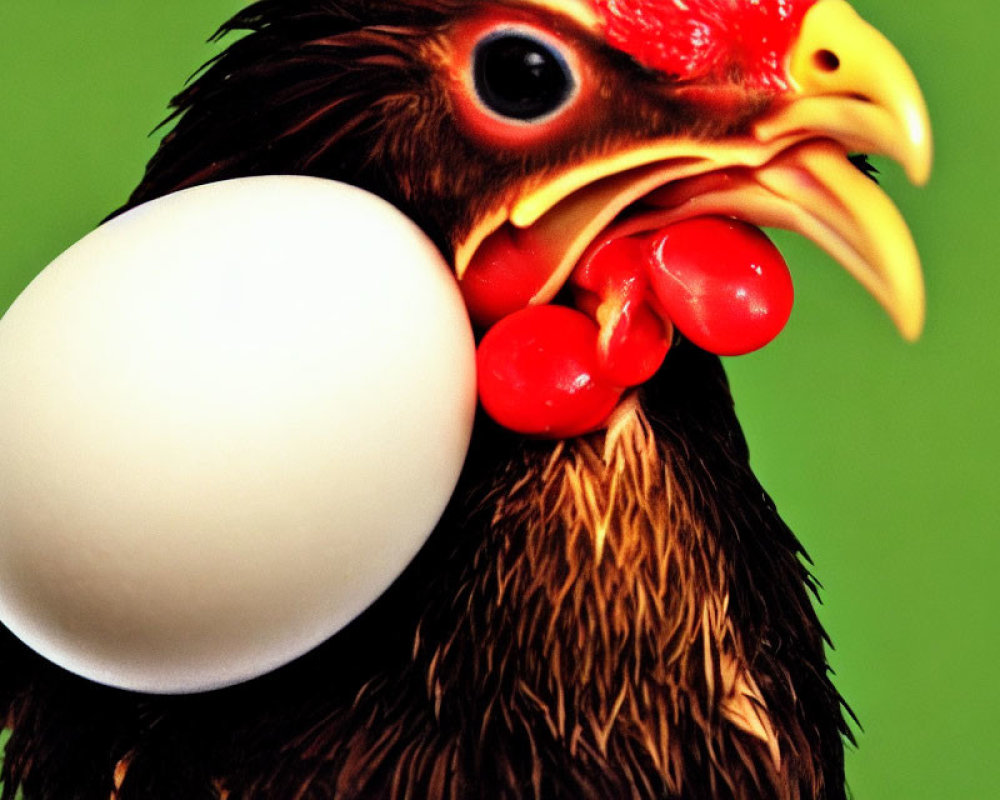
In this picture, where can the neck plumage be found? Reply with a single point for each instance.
(603, 613)
(621, 615)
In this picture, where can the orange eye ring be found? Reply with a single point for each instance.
(514, 85)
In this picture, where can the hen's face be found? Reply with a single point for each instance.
(592, 118)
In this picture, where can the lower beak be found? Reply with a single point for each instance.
(852, 92)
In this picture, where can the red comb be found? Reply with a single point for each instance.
(745, 40)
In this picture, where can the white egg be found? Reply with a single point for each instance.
(228, 420)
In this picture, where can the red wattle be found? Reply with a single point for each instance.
(503, 276)
(612, 287)
(722, 282)
(634, 348)
(556, 371)
(538, 374)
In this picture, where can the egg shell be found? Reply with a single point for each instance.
(229, 418)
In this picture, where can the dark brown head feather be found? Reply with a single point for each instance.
(332, 89)
(359, 92)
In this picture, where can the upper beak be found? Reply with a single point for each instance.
(854, 87)
(839, 56)
(852, 92)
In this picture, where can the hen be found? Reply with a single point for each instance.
(619, 613)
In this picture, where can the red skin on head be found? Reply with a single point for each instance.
(693, 40)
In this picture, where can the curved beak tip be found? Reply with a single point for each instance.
(912, 327)
(918, 169)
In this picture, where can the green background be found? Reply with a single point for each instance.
(880, 454)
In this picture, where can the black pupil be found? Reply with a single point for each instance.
(519, 77)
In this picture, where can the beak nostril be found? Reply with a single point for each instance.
(826, 60)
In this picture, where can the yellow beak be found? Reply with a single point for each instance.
(839, 55)
(854, 87)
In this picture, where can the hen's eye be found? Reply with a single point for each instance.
(520, 77)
